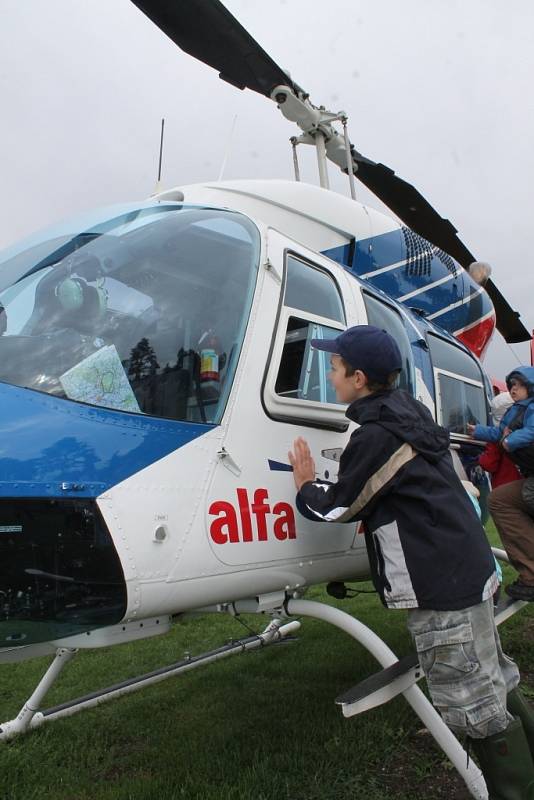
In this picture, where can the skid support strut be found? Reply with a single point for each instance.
(23, 720)
(415, 697)
(30, 716)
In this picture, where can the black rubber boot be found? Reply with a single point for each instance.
(519, 707)
(506, 763)
(520, 591)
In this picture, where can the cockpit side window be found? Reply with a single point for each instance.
(297, 386)
(460, 390)
(145, 312)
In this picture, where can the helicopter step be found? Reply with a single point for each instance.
(380, 687)
(30, 717)
(383, 686)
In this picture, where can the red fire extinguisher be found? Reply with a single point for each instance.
(209, 347)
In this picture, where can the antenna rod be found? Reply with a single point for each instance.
(161, 149)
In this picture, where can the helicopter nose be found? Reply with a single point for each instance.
(59, 571)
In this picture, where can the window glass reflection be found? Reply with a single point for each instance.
(144, 313)
(312, 290)
(303, 369)
(451, 358)
(385, 317)
(59, 571)
(460, 404)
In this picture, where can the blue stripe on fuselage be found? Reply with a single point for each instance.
(426, 266)
(372, 253)
(47, 443)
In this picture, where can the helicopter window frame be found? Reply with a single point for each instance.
(299, 410)
(406, 379)
(462, 379)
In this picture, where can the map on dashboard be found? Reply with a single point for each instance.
(100, 380)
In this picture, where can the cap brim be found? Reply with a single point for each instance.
(329, 345)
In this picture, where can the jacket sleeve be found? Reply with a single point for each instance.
(487, 433)
(524, 436)
(491, 458)
(365, 468)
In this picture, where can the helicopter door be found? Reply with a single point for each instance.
(282, 392)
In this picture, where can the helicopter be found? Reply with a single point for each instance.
(156, 366)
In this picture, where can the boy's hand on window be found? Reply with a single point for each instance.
(302, 462)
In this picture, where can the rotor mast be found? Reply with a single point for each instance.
(318, 130)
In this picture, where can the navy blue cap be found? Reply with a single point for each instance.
(369, 349)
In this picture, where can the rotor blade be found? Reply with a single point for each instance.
(206, 30)
(507, 320)
(412, 208)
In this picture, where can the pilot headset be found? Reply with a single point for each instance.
(74, 292)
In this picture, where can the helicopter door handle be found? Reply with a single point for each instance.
(334, 453)
(227, 460)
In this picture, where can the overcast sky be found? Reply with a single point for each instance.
(440, 90)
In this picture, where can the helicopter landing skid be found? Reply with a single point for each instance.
(31, 717)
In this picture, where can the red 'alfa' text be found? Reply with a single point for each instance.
(251, 522)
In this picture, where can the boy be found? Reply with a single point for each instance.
(512, 505)
(427, 549)
(494, 459)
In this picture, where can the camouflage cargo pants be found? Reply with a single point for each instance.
(467, 673)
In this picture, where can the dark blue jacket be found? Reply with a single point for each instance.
(426, 545)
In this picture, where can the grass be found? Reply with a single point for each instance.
(261, 725)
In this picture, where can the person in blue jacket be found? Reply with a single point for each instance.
(512, 505)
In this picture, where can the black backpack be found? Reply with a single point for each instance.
(523, 457)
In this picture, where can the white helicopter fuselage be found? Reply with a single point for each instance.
(231, 527)
(207, 514)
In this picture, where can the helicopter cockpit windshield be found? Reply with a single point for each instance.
(144, 312)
